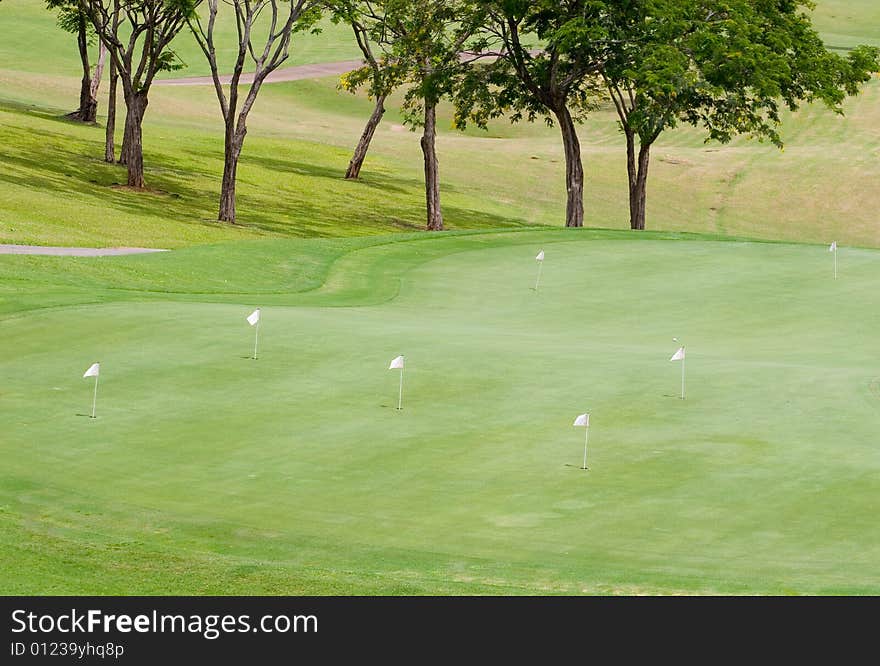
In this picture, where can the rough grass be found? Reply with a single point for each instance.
(54, 188)
(59, 55)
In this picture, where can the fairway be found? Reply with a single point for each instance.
(210, 473)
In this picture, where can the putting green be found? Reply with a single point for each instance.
(207, 472)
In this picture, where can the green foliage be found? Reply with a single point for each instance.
(727, 68)
(549, 56)
(183, 8)
(381, 74)
(309, 20)
(152, 23)
(52, 179)
(169, 61)
(72, 19)
(420, 43)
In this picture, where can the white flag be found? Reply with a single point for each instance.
(833, 247)
(679, 355)
(583, 420)
(254, 317)
(93, 371)
(540, 256)
(396, 364)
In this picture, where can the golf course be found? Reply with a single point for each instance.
(209, 472)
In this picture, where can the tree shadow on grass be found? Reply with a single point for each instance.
(53, 114)
(335, 173)
(304, 216)
(106, 182)
(63, 162)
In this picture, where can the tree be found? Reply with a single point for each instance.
(378, 73)
(423, 42)
(267, 43)
(726, 67)
(139, 52)
(72, 19)
(110, 129)
(557, 82)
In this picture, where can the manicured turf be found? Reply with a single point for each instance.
(207, 472)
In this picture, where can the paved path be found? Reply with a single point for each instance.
(74, 251)
(297, 73)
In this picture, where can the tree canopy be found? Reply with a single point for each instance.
(728, 68)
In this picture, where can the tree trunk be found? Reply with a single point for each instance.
(642, 183)
(360, 153)
(432, 169)
(133, 149)
(574, 170)
(632, 174)
(110, 141)
(95, 82)
(123, 149)
(87, 111)
(637, 172)
(227, 190)
(232, 151)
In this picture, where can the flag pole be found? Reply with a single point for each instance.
(400, 394)
(682, 376)
(95, 397)
(835, 262)
(540, 268)
(256, 338)
(586, 440)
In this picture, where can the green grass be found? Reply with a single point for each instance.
(54, 189)
(55, 195)
(846, 23)
(207, 472)
(821, 187)
(59, 55)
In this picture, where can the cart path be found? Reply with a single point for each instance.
(294, 73)
(297, 73)
(75, 251)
